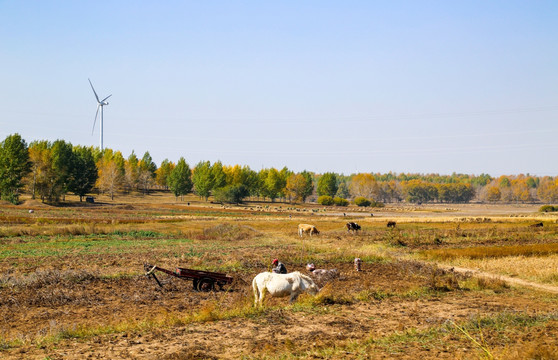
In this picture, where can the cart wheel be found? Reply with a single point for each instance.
(195, 283)
(206, 285)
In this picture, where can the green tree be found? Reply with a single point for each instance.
(342, 190)
(203, 179)
(504, 182)
(146, 163)
(218, 174)
(84, 172)
(309, 188)
(180, 179)
(14, 166)
(327, 184)
(273, 184)
(62, 165)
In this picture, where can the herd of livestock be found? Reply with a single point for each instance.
(275, 284)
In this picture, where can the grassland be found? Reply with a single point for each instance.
(72, 283)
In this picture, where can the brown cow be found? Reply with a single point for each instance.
(307, 229)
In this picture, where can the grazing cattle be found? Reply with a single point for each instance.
(391, 224)
(352, 226)
(281, 285)
(322, 276)
(307, 229)
(539, 224)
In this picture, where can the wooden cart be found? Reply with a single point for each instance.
(202, 280)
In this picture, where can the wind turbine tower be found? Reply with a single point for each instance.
(100, 105)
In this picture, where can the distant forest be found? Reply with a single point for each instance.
(50, 170)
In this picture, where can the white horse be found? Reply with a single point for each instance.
(279, 285)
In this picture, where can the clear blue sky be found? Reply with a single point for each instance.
(344, 86)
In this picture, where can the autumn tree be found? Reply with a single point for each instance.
(42, 174)
(455, 193)
(296, 188)
(520, 191)
(131, 172)
(163, 173)
(493, 193)
(110, 177)
(364, 185)
(14, 166)
(389, 191)
(547, 190)
(419, 191)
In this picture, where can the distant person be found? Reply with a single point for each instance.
(278, 267)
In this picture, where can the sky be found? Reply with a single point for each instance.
(326, 86)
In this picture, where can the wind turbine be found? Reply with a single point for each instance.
(100, 104)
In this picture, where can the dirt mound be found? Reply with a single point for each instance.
(34, 203)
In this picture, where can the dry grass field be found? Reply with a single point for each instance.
(72, 283)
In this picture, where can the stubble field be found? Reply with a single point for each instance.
(72, 281)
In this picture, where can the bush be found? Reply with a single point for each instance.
(362, 201)
(325, 200)
(232, 194)
(548, 208)
(339, 201)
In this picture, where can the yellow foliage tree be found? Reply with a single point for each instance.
(364, 185)
(296, 187)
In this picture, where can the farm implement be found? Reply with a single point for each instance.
(202, 280)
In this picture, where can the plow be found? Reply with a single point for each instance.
(201, 280)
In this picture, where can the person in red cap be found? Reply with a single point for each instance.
(278, 267)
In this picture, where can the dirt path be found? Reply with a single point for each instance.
(508, 279)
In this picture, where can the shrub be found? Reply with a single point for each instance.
(232, 194)
(378, 204)
(325, 200)
(362, 201)
(548, 208)
(339, 201)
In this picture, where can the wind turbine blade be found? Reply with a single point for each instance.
(106, 98)
(95, 121)
(94, 92)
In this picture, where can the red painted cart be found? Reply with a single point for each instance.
(202, 280)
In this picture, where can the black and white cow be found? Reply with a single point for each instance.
(353, 226)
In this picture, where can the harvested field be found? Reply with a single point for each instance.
(72, 284)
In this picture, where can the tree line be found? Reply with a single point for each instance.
(50, 170)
